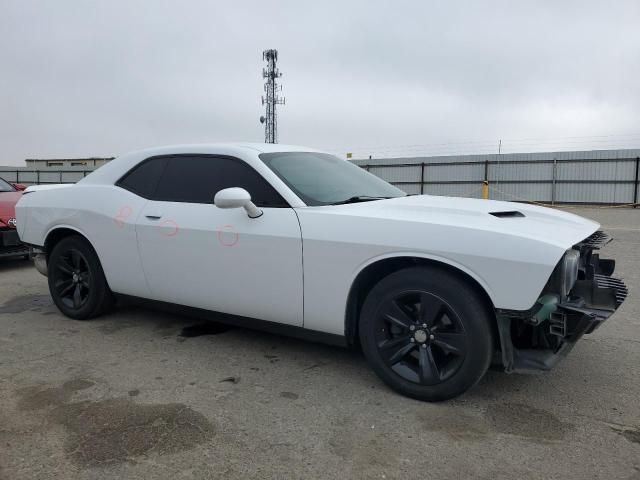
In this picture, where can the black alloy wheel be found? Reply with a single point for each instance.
(420, 337)
(76, 281)
(427, 332)
(73, 283)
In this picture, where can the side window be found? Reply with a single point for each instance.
(196, 179)
(143, 178)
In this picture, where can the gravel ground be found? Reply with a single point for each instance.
(125, 396)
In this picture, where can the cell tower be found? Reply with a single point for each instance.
(271, 98)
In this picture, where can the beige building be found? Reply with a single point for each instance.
(45, 163)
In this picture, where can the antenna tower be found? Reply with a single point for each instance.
(271, 98)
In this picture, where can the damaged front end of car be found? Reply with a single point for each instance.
(579, 296)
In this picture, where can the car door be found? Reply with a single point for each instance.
(196, 254)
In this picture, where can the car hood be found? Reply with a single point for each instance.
(530, 221)
(8, 202)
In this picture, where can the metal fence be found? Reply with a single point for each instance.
(43, 177)
(612, 181)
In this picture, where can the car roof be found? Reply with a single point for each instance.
(215, 147)
(111, 171)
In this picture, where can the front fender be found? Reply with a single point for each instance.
(434, 258)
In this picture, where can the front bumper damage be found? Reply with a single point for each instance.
(537, 339)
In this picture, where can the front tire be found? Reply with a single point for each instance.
(76, 280)
(426, 333)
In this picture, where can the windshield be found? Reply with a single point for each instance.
(6, 187)
(322, 179)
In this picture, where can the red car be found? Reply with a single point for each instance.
(10, 245)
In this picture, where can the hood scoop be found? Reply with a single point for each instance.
(507, 214)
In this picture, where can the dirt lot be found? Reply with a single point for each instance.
(126, 396)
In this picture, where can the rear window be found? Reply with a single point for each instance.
(143, 178)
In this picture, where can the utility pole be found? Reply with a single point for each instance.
(271, 98)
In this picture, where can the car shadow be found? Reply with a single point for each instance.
(185, 326)
(192, 328)
(350, 362)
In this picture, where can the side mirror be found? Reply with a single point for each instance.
(236, 198)
(18, 186)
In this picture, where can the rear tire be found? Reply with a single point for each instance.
(76, 281)
(426, 333)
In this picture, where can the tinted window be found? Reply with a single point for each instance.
(143, 178)
(196, 179)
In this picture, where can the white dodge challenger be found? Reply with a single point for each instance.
(433, 289)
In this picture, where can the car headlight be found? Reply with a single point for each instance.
(568, 271)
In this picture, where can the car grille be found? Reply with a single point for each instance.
(618, 286)
(596, 240)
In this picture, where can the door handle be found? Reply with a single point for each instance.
(154, 217)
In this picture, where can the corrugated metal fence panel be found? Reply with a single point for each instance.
(448, 173)
(601, 176)
(596, 170)
(580, 170)
(45, 177)
(71, 177)
(411, 189)
(33, 177)
(594, 193)
(8, 175)
(502, 172)
(398, 173)
(29, 177)
(453, 190)
(537, 192)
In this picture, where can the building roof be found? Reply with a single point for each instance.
(67, 159)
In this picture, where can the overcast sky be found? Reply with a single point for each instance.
(99, 78)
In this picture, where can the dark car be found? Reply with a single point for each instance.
(10, 245)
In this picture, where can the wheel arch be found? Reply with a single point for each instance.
(57, 233)
(377, 269)
(60, 232)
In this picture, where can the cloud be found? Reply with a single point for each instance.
(99, 78)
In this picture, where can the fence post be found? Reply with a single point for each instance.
(17, 176)
(422, 178)
(37, 177)
(60, 176)
(553, 181)
(366, 167)
(635, 185)
(485, 183)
